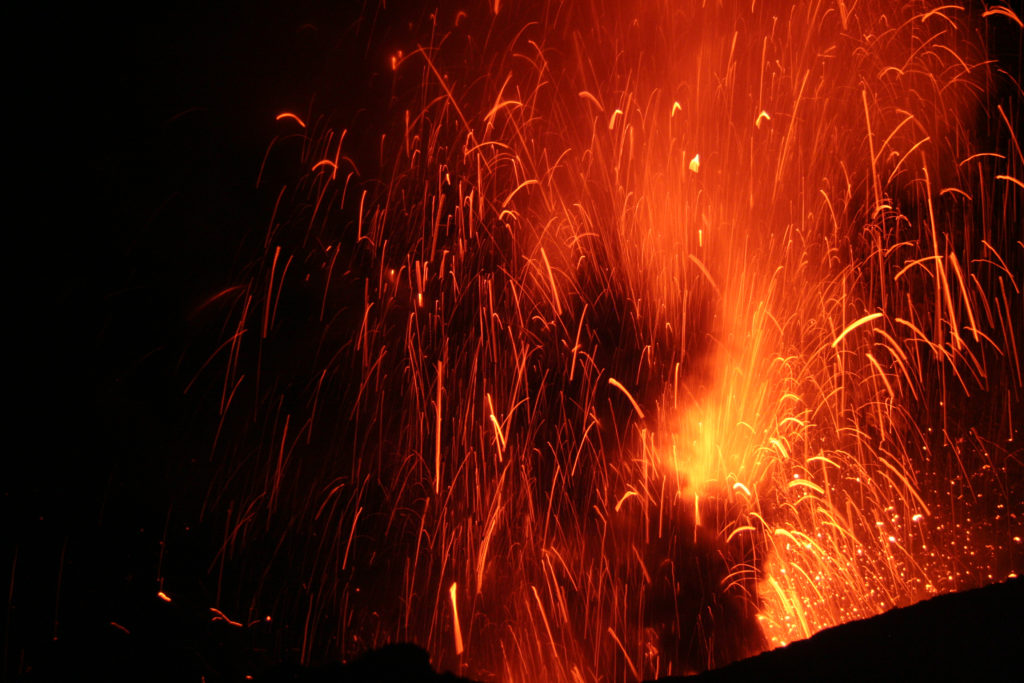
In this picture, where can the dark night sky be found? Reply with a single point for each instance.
(142, 135)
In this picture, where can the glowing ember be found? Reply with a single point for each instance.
(666, 333)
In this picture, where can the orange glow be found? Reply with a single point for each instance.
(452, 592)
(293, 117)
(220, 616)
(659, 388)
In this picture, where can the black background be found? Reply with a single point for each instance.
(138, 135)
(135, 138)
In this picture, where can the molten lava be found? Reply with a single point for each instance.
(667, 332)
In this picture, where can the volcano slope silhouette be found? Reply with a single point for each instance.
(974, 635)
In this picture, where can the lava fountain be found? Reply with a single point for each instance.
(633, 338)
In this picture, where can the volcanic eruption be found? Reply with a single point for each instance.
(623, 339)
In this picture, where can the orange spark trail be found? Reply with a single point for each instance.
(663, 387)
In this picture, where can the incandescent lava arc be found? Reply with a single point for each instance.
(623, 339)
